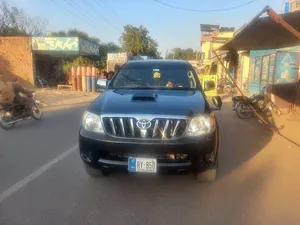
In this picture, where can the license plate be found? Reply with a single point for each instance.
(146, 165)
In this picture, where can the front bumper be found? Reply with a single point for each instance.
(111, 154)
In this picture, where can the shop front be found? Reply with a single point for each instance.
(273, 67)
(274, 45)
(50, 52)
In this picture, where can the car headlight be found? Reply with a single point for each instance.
(201, 125)
(92, 122)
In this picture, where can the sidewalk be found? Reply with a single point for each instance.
(53, 99)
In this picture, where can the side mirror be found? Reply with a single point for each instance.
(217, 101)
(209, 85)
(102, 83)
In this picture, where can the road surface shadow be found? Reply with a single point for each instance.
(240, 139)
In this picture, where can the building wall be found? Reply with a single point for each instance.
(209, 45)
(246, 64)
(294, 5)
(16, 58)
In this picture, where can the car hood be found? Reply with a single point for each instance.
(166, 102)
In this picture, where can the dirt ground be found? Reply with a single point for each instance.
(53, 99)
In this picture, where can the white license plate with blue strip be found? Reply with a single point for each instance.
(142, 165)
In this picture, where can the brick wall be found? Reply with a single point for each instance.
(16, 58)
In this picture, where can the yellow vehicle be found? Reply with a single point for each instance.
(208, 77)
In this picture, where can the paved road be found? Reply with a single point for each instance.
(258, 181)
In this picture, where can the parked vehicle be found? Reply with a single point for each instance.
(42, 83)
(152, 117)
(225, 86)
(10, 114)
(259, 102)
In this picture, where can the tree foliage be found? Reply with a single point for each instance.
(183, 54)
(74, 33)
(15, 22)
(138, 41)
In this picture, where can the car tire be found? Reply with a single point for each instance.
(94, 172)
(209, 175)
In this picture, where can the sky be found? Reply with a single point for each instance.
(171, 27)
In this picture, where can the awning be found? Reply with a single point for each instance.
(264, 33)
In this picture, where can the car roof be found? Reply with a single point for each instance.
(158, 62)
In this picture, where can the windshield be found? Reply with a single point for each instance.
(155, 76)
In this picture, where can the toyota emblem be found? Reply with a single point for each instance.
(143, 124)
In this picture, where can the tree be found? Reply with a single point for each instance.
(184, 54)
(138, 41)
(74, 33)
(14, 21)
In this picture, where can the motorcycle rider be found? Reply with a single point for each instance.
(12, 90)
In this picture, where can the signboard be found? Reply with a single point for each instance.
(116, 59)
(88, 47)
(207, 78)
(256, 53)
(55, 44)
(286, 67)
(122, 56)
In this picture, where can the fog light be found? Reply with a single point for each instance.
(181, 156)
(171, 156)
(209, 157)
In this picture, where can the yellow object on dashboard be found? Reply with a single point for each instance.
(156, 75)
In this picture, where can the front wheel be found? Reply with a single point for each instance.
(4, 121)
(244, 111)
(227, 89)
(209, 175)
(36, 113)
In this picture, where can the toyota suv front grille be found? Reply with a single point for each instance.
(156, 128)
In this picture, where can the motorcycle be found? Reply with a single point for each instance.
(225, 87)
(243, 106)
(10, 114)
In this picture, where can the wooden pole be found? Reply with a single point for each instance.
(236, 85)
(278, 19)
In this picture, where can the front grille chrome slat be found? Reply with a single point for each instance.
(164, 134)
(140, 128)
(122, 127)
(132, 128)
(155, 128)
(112, 126)
(175, 129)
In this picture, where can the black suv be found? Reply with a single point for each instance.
(152, 117)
